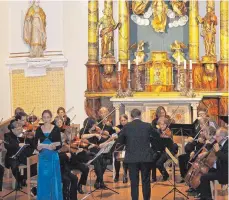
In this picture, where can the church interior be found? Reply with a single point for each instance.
(99, 60)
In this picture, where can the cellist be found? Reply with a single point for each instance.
(220, 169)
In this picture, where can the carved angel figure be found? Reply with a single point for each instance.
(35, 30)
(138, 6)
(179, 7)
(160, 18)
(208, 32)
(178, 47)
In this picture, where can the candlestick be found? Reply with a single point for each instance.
(120, 93)
(129, 92)
(190, 92)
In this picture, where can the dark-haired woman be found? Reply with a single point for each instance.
(123, 121)
(47, 142)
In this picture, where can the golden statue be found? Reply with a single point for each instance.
(34, 30)
(179, 7)
(208, 32)
(178, 47)
(108, 26)
(139, 54)
(160, 18)
(138, 6)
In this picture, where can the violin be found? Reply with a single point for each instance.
(167, 133)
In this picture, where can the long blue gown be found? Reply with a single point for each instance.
(49, 185)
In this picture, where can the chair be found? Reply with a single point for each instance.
(31, 180)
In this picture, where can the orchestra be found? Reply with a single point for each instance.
(73, 152)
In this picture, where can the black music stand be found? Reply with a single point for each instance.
(224, 118)
(17, 188)
(174, 189)
(104, 150)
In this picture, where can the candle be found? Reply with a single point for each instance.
(190, 64)
(185, 64)
(178, 62)
(128, 64)
(136, 61)
(119, 66)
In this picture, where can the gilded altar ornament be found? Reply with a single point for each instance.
(208, 31)
(139, 54)
(108, 26)
(139, 6)
(160, 15)
(178, 47)
(179, 7)
(34, 32)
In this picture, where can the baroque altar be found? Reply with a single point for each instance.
(157, 66)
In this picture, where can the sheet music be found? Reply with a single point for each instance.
(48, 146)
(171, 156)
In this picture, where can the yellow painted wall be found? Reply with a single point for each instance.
(45, 92)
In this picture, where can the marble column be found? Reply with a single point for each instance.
(117, 113)
(123, 40)
(194, 111)
(224, 46)
(93, 80)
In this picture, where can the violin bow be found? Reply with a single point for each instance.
(205, 124)
(73, 118)
(1, 120)
(85, 128)
(108, 115)
(69, 110)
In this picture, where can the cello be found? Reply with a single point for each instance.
(200, 167)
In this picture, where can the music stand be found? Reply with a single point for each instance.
(103, 150)
(17, 189)
(182, 130)
(174, 163)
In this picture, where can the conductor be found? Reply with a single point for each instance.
(136, 136)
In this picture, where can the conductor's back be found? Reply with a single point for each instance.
(136, 137)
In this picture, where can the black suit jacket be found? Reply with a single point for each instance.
(222, 164)
(136, 136)
(12, 146)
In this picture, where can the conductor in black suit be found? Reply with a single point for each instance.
(136, 136)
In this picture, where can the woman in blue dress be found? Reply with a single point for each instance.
(49, 185)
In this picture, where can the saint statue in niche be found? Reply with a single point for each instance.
(35, 30)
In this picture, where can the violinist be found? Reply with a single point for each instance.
(220, 169)
(203, 114)
(98, 137)
(70, 181)
(123, 121)
(160, 156)
(12, 145)
(160, 112)
(62, 114)
(75, 161)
